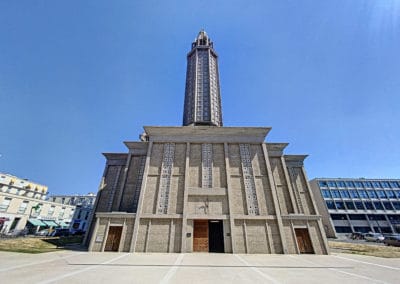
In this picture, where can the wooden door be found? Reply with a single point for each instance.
(200, 236)
(304, 241)
(113, 239)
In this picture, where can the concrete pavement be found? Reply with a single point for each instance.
(84, 267)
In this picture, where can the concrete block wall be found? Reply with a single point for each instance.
(281, 190)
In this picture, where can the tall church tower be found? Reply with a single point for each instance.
(202, 93)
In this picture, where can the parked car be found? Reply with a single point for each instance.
(44, 232)
(357, 236)
(60, 232)
(392, 240)
(374, 237)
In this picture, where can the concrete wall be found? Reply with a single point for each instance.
(281, 192)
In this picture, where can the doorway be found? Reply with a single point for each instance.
(304, 241)
(208, 236)
(114, 238)
(216, 236)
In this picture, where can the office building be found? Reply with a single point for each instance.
(358, 205)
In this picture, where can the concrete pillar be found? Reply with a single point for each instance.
(140, 203)
(275, 199)
(228, 191)
(185, 200)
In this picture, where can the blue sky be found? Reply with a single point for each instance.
(79, 77)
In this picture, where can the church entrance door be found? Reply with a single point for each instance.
(303, 241)
(216, 236)
(208, 236)
(200, 236)
(113, 239)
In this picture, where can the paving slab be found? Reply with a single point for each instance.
(86, 267)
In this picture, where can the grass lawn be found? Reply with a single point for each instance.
(365, 249)
(37, 245)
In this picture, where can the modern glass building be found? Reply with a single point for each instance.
(358, 205)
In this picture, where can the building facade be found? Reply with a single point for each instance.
(83, 209)
(203, 187)
(358, 205)
(23, 207)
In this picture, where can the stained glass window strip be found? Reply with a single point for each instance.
(139, 180)
(249, 184)
(165, 180)
(206, 156)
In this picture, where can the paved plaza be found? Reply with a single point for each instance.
(84, 267)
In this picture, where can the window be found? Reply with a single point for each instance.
(378, 205)
(387, 205)
(340, 205)
(350, 205)
(61, 214)
(369, 205)
(354, 193)
(14, 223)
(372, 194)
(362, 229)
(396, 205)
(397, 193)
(349, 184)
(342, 229)
(367, 184)
(394, 217)
(377, 217)
(331, 204)
(363, 193)
(51, 211)
(322, 184)
(381, 193)
(376, 184)
(390, 194)
(359, 205)
(385, 184)
(358, 184)
(344, 194)
(331, 184)
(335, 193)
(338, 217)
(394, 184)
(5, 204)
(22, 207)
(341, 184)
(357, 217)
(326, 193)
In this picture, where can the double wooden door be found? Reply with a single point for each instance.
(113, 239)
(208, 236)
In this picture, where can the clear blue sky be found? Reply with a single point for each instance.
(79, 77)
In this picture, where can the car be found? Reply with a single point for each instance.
(357, 236)
(44, 232)
(374, 237)
(392, 240)
(60, 233)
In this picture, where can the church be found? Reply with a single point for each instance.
(204, 187)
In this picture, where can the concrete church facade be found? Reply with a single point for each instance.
(203, 187)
